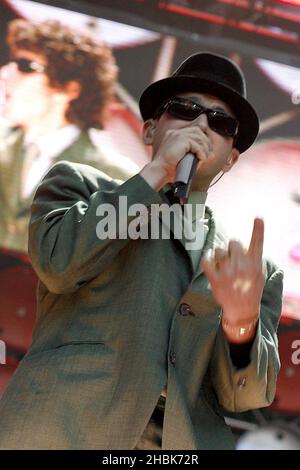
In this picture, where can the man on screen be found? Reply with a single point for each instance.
(57, 85)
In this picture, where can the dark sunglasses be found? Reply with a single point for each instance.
(28, 66)
(218, 121)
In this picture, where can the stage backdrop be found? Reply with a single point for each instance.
(264, 183)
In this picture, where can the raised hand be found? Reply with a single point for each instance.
(237, 281)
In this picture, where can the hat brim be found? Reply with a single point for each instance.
(156, 93)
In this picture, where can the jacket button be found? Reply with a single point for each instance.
(185, 310)
(172, 357)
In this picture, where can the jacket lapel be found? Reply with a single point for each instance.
(11, 170)
(213, 239)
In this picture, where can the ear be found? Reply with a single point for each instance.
(73, 89)
(148, 131)
(231, 160)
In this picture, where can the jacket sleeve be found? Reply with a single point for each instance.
(254, 385)
(64, 247)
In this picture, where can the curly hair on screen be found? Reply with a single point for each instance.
(71, 56)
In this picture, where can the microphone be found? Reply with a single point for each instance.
(184, 175)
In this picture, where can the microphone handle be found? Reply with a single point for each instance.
(184, 175)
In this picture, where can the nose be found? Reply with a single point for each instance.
(202, 122)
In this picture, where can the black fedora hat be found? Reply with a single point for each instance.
(216, 75)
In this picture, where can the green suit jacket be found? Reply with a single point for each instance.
(111, 332)
(14, 208)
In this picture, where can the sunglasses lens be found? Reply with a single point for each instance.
(224, 125)
(184, 110)
(28, 66)
(188, 111)
(23, 65)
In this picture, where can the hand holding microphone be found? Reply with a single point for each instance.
(176, 159)
(187, 166)
(185, 171)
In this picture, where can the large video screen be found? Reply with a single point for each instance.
(264, 183)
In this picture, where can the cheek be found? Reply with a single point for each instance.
(34, 85)
(222, 146)
(30, 100)
(158, 135)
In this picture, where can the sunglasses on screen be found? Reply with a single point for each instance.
(188, 110)
(28, 66)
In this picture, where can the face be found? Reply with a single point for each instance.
(224, 155)
(28, 97)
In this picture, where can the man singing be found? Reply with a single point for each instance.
(142, 343)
